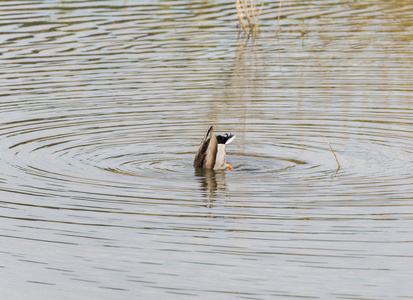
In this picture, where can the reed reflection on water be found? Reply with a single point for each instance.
(103, 104)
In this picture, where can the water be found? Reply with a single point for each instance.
(104, 104)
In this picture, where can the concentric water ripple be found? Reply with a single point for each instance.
(104, 104)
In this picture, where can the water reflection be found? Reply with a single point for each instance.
(211, 182)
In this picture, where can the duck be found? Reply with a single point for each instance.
(212, 151)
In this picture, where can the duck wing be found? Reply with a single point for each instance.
(206, 155)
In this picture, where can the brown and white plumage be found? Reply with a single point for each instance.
(212, 151)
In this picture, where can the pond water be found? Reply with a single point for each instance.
(103, 106)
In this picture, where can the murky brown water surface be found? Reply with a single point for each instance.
(104, 103)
